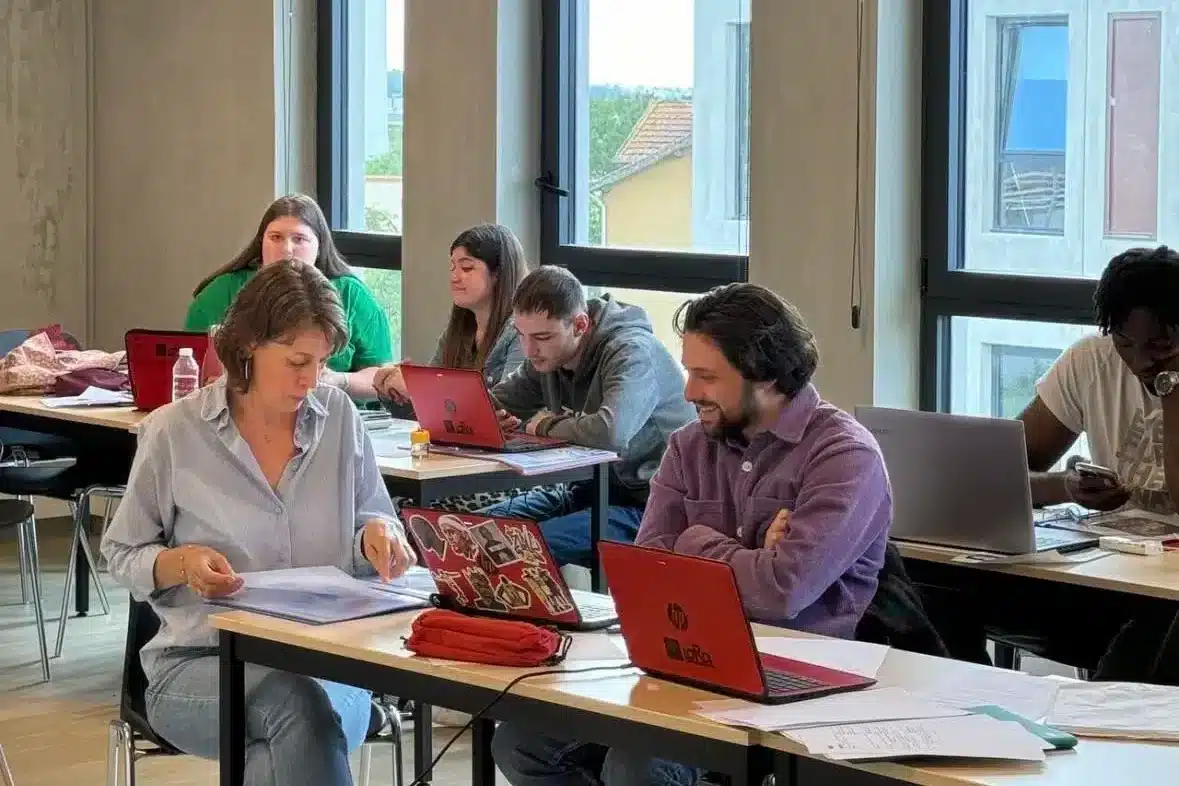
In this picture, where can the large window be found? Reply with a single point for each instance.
(361, 112)
(1046, 142)
(645, 142)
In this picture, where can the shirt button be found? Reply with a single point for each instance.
(747, 466)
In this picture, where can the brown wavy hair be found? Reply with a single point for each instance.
(300, 206)
(284, 297)
(497, 247)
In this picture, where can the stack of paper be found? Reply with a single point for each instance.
(1125, 710)
(861, 706)
(965, 736)
(536, 462)
(316, 595)
(90, 397)
(969, 686)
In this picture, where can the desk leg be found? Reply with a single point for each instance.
(233, 714)
(81, 565)
(482, 765)
(599, 516)
(423, 742)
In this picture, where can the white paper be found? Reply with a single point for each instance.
(594, 646)
(538, 462)
(861, 706)
(856, 657)
(416, 582)
(317, 595)
(90, 397)
(1125, 710)
(968, 687)
(966, 736)
(392, 440)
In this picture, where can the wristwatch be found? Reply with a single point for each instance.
(1165, 382)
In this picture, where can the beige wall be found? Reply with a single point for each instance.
(43, 163)
(652, 208)
(184, 149)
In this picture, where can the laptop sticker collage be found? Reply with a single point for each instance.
(494, 565)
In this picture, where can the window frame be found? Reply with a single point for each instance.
(600, 266)
(947, 288)
(360, 249)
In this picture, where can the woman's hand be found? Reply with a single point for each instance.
(385, 549)
(390, 384)
(207, 572)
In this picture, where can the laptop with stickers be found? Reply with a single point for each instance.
(502, 567)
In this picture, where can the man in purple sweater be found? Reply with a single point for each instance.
(788, 489)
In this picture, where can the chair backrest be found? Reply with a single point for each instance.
(11, 339)
(142, 625)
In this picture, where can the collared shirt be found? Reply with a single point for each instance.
(716, 499)
(196, 481)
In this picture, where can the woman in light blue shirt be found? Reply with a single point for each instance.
(260, 470)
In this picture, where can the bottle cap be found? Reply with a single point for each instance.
(186, 352)
(419, 436)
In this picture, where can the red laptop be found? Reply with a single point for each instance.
(682, 620)
(501, 566)
(150, 357)
(454, 406)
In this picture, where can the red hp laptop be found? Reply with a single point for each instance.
(683, 621)
(501, 566)
(150, 357)
(454, 406)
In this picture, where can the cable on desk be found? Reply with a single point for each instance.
(487, 707)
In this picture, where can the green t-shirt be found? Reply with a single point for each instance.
(368, 327)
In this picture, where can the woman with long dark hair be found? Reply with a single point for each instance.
(294, 227)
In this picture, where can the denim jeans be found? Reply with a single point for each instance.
(298, 729)
(529, 758)
(565, 521)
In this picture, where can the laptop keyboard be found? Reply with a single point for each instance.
(779, 683)
(593, 607)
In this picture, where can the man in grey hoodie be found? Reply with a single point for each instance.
(595, 375)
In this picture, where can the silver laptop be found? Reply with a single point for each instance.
(961, 481)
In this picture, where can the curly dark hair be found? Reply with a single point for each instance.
(1146, 278)
(758, 331)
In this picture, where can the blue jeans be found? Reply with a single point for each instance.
(298, 729)
(529, 758)
(565, 521)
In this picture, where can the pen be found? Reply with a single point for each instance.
(1081, 545)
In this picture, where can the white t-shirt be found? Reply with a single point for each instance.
(1089, 389)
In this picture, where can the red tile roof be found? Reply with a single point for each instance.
(662, 127)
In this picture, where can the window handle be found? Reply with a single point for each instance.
(547, 183)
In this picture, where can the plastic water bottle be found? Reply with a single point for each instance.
(186, 374)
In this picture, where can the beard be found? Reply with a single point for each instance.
(730, 425)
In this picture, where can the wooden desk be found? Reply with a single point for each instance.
(1155, 577)
(118, 418)
(617, 707)
(439, 476)
(106, 431)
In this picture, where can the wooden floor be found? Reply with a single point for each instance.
(55, 734)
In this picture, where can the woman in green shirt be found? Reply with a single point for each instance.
(294, 227)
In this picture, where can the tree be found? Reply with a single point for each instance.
(386, 288)
(389, 162)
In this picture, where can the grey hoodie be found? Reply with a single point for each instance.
(626, 395)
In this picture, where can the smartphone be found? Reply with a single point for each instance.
(1087, 470)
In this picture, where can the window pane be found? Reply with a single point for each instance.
(660, 307)
(1131, 197)
(386, 288)
(375, 69)
(1032, 104)
(995, 364)
(663, 136)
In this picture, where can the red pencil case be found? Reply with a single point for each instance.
(441, 633)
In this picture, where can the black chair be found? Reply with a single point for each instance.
(18, 514)
(132, 738)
